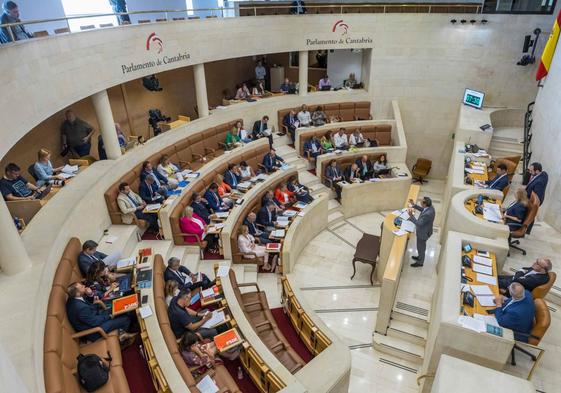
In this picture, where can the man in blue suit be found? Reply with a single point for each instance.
(267, 216)
(538, 181)
(88, 256)
(148, 191)
(214, 200)
(517, 312)
(83, 315)
(501, 179)
(232, 176)
(183, 276)
(163, 186)
(200, 206)
(271, 161)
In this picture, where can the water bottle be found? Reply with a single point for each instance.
(240, 373)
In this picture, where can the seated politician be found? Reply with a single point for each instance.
(352, 174)
(164, 185)
(365, 167)
(15, 187)
(150, 192)
(261, 130)
(327, 142)
(214, 199)
(242, 92)
(514, 215)
(357, 139)
(272, 161)
(284, 195)
(341, 140)
(246, 172)
(530, 277)
(169, 170)
(132, 205)
(183, 276)
(84, 315)
(313, 148)
(334, 175)
(516, 312)
(233, 138)
(232, 175)
(302, 193)
(248, 246)
(224, 190)
(318, 117)
(287, 86)
(270, 197)
(380, 166)
(267, 216)
(182, 318)
(45, 172)
(304, 116)
(499, 182)
(89, 255)
(290, 121)
(201, 207)
(194, 230)
(261, 235)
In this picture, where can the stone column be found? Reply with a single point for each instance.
(303, 72)
(106, 124)
(200, 89)
(13, 256)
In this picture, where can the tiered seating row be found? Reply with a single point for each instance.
(192, 152)
(314, 339)
(62, 343)
(347, 160)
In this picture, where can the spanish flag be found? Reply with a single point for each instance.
(549, 50)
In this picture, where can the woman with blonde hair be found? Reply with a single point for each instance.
(44, 170)
(169, 170)
(515, 214)
(171, 290)
(246, 244)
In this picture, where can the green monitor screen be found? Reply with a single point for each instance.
(474, 98)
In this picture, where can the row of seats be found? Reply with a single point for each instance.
(192, 152)
(221, 376)
(314, 339)
(345, 161)
(381, 132)
(345, 111)
(250, 154)
(62, 343)
(248, 207)
(256, 310)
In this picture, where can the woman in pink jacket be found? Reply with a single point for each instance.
(192, 224)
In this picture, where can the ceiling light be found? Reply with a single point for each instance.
(463, 21)
(472, 21)
(453, 21)
(483, 21)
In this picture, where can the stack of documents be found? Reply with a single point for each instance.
(472, 323)
(123, 263)
(400, 232)
(290, 213)
(478, 171)
(491, 280)
(484, 295)
(222, 271)
(488, 319)
(207, 385)
(403, 214)
(244, 185)
(492, 212)
(221, 214)
(69, 169)
(408, 226)
(278, 233)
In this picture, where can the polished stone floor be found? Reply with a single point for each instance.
(349, 307)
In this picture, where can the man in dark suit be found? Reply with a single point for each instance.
(260, 235)
(200, 206)
(232, 176)
(290, 121)
(516, 312)
(298, 7)
(84, 315)
(214, 200)
(267, 216)
(352, 174)
(148, 191)
(538, 181)
(272, 161)
(334, 174)
(501, 179)
(365, 167)
(423, 227)
(530, 277)
(261, 130)
(183, 276)
(88, 256)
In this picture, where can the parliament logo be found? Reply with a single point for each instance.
(341, 26)
(154, 41)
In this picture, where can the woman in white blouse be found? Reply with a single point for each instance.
(246, 171)
(381, 163)
(246, 244)
(356, 139)
(169, 170)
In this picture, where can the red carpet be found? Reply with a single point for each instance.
(211, 256)
(149, 236)
(245, 384)
(136, 369)
(312, 171)
(290, 334)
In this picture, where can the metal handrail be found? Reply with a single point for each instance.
(429, 7)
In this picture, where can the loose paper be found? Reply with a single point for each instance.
(408, 226)
(207, 385)
(472, 323)
(110, 239)
(481, 290)
(483, 260)
(482, 269)
(400, 232)
(488, 319)
(486, 279)
(208, 292)
(217, 317)
(486, 301)
(145, 311)
(222, 271)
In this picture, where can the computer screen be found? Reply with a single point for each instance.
(473, 98)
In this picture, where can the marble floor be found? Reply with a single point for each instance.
(349, 307)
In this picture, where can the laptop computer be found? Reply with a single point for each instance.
(44, 193)
(325, 88)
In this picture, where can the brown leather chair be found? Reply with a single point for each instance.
(533, 206)
(542, 320)
(541, 291)
(505, 191)
(421, 170)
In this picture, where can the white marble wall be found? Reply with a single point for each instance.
(546, 140)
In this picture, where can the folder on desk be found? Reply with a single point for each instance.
(408, 226)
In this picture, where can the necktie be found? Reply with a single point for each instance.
(132, 200)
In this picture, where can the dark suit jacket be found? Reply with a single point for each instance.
(348, 173)
(294, 8)
(257, 128)
(289, 121)
(531, 281)
(85, 261)
(269, 162)
(214, 201)
(263, 217)
(232, 179)
(538, 185)
(424, 223)
(83, 315)
(332, 173)
(161, 178)
(252, 228)
(202, 210)
(517, 210)
(146, 195)
(308, 146)
(170, 275)
(498, 183)
(362, 166)
(518, 316)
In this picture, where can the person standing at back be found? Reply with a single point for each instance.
(11, 15)
(538, 184)
(76, 134)
(423, 227)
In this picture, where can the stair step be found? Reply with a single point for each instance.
(206, 266)
(333, 205)
(408, 332)
(127, 239)
(505, 152)
(307, 179)
(178, 252)
(280, 141)
(334, 218)
(191, 262)
(410, 318)
(399, 348)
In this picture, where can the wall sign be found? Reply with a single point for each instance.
(341, 34)
(155, 44)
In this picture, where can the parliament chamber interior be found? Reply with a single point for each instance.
(280, 196)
